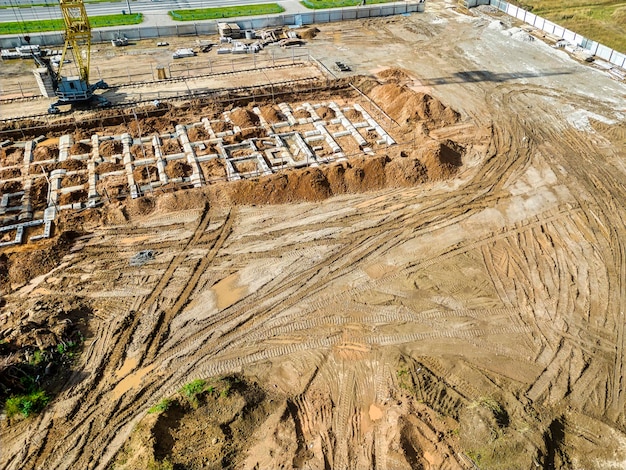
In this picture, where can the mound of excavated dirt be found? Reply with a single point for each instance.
(271, 114)
(442, 159)
(80, 148)
(197, 133)
(10, 157)
(244, 118)
(23, 265)
(316, 184)
(408, 107)
(72, 164)
(394, 74)
(325, 112)
(307, 33)
(301, 114)
(45, 152)
(110, 147)
(178, 169)
(108, 167)
(230, 409)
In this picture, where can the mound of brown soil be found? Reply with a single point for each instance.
(353, 114)
(73, 180)
(308, 33)
(271, 114)
(405, 172)
(108, 167)
(10, 157)
(170, 146)
(178, 169)
(212, 169)
(244, 118)
(394, 74)
(80, 148)
(301, 114)
(27, 264)
(10, 187)
(45, 153)
(442, 159)
(72, 164)
(408, 107)
(110, 147)
(39, 194)
(146, 174)
(197, 133)
(324, 112)
(221, 126)
(73, 197)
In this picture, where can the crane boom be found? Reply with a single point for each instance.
(77, 36)
(77, 89)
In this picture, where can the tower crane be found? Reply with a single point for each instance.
(75, 89)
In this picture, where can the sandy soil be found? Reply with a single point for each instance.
(476, 318)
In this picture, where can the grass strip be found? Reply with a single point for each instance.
(225, 12)
(323, 4)
(603, 21)
(39, 26)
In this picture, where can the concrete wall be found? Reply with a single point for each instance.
(210, 27)
(601, 51)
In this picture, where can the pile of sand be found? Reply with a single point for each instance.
(316, 184)
(197, 133)
(394, 74)
(73, 197)
(324, 112)
(271, 114)
(80, 148)
(301, 114)
(45, 152)
(108, 167)
(109, 148)
(308, 33)
(39, 193)
(72, 164)
(408, 107)
(442, 159)
(178, 169)
(170, 146)
(10, 157)
(353, 114)
(244, 118)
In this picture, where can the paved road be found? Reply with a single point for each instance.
(158, 7)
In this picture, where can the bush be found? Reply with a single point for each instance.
(26, 405)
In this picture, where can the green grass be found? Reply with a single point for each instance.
(225, 12)
(160, 407)
(57, 25)
(603, 21)
(54, 4)
(26, 405)
(321, 4)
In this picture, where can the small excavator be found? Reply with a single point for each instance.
(74, 90)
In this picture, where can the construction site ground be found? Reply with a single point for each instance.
(454, 299)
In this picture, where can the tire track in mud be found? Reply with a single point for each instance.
(430, 218)
(111, 359)
(599, 192)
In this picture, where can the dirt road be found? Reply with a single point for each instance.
(478, 319)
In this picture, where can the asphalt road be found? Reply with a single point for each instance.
(160, 7)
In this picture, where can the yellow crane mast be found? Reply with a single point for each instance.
(77, 89)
